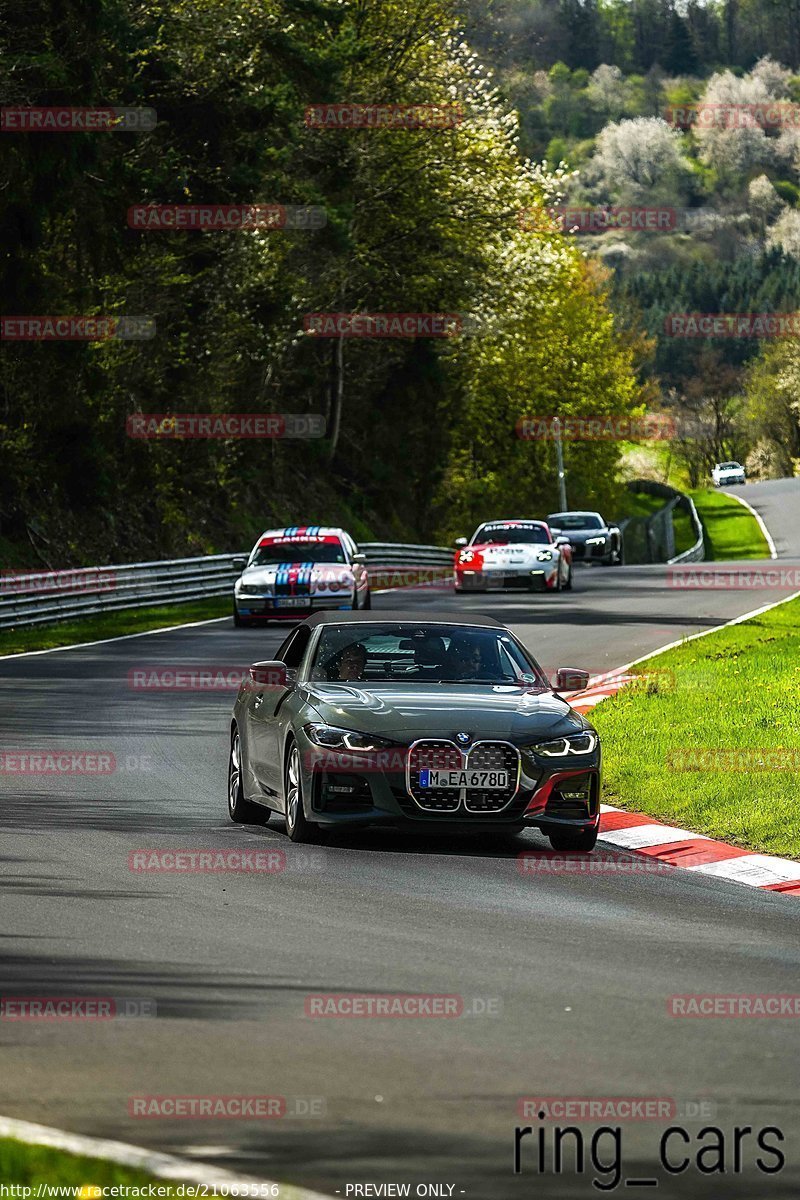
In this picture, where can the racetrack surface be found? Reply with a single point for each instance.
(578, 968)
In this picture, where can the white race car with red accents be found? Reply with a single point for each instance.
(513, 554)
(299, 570)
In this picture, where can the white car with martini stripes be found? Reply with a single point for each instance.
(300, 570)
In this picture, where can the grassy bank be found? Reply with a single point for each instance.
(113, 624)
(667, 746)
(731, 529)
(26, 1165)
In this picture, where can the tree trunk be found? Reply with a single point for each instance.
(338, 397)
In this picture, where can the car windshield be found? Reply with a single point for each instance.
(729, 467)
(511, 533)
(422, 654)
(575, 521)
(280, 553)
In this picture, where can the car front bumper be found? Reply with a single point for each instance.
(540, 577)
(583, 553)
(255, 608)
(344, 789)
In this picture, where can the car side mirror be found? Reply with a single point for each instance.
(570, 679)
(460, 542)
(240, 562)
(359, 557)
(563, 541)
(269, 676)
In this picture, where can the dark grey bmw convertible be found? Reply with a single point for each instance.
(389, 719)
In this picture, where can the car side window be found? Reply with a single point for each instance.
(292, 651)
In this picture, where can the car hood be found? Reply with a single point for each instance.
(515, 552)
(402, 711)
(266, 575)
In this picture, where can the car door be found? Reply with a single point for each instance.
(264, 723)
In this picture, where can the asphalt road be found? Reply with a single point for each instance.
(573, 972)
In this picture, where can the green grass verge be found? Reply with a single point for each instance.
(735, 690)
(113, 624)
(731, 530)
(26, 1165)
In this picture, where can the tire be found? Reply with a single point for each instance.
(367, 600)
(241, 811)
(298, 827)
(568, 584)
(585, 841)
(619, 557)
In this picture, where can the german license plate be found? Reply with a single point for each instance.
(484, 780)
(293, 602)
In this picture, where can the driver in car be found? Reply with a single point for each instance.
(352, 661)
(465, 661)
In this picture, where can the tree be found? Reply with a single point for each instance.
(640, 162)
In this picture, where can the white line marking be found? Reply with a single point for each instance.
(637, 837)
(692, 637)
(123, 637)
(163, 1166)
(772, 551)
(756, 869)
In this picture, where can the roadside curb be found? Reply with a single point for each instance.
(163, 1166)
(674, 847)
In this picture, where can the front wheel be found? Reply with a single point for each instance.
(585, 840)
(568, 584)
(241, 810)
(367, 600)
(298, 827)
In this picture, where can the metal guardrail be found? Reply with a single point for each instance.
(652, 539)
(697, 552)
(41, 597)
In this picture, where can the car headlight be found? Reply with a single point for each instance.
(251, 589)
(344, 739)
(544, 556)
(579, 743)
(596, 541)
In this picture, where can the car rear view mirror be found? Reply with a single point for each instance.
(570, 679)
(270, 675)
